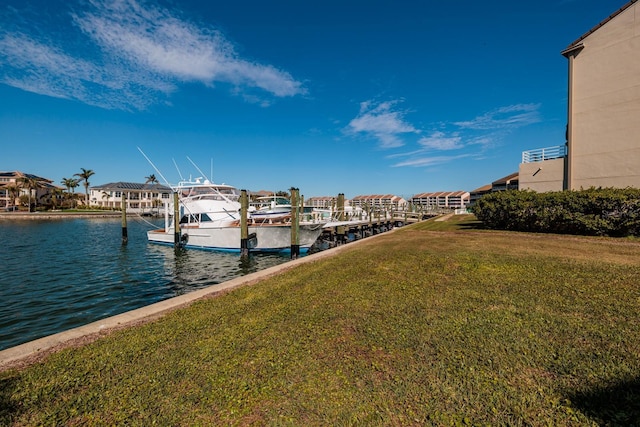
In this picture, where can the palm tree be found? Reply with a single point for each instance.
(152, 180)
(30, 183)
(56, 194)
(84, 176)
(71, 185)
(13, 191)
(106, 196)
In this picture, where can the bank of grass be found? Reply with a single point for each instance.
(449, 327)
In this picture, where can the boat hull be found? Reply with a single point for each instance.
(270, 238)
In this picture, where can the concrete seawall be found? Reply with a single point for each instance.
(28, 216)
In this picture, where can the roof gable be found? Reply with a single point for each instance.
(576, 44)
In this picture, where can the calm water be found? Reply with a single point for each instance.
(60, 274)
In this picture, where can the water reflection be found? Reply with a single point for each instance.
(62, 274)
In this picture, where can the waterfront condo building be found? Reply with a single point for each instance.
(603, 112)
(379, 201)
(141, 198)
(442, 199)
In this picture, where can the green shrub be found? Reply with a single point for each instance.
(591, 212)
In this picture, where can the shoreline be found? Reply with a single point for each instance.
(32, 351)
(18, 216)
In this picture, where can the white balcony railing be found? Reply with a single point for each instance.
(541, 154)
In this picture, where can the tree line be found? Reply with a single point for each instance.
(53, 195)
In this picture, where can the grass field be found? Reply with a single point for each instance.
(440, 323)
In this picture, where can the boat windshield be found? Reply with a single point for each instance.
(264, 202)
(211, 192)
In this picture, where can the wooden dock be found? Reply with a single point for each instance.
(340, 232)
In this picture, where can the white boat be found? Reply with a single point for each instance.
(270, 207)
(210, 219)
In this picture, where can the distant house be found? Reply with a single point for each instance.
(442, 199)
(322, 202)
(381, 201)
(138, 197)
(41, 194)
(602, 144)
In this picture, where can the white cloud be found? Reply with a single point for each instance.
(381, 122)
(472, 138)
(509, 117)
(429, 161)
(134, 55)
(164, 44)
(439, 141)
(385, 122)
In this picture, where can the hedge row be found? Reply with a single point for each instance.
(592, 212)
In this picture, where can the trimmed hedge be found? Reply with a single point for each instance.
(592, 212)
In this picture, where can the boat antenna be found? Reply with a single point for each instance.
(178, 169)
(154, 167)
(201, 173)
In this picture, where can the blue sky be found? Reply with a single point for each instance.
(354, 97)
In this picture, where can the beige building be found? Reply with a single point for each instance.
(442, 199)
(323, 202)
(381, 201)
(603, 120)
(15, 184)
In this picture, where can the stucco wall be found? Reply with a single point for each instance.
(605, 112)
(542, 176)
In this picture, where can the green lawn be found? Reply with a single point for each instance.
(440, 323)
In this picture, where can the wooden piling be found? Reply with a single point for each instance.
(341, 229)
(176, 222)
(123, 207)
(295, 223)
(340, 207)
(244, 224)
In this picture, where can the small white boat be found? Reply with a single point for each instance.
(270, 207)
(210, 219)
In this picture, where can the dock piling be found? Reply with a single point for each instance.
(295, 223)
(123, 207)
(244, 224)
(176, 222)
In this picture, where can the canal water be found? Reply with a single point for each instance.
(64, 273)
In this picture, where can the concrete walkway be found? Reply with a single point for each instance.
(14, 356)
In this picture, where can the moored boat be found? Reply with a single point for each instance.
(210, 219)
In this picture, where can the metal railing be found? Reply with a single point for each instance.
(541, 154)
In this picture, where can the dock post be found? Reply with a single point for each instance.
(295, 224)
(176, 222)
(340, 231)
(244, 224)
(123, 207)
